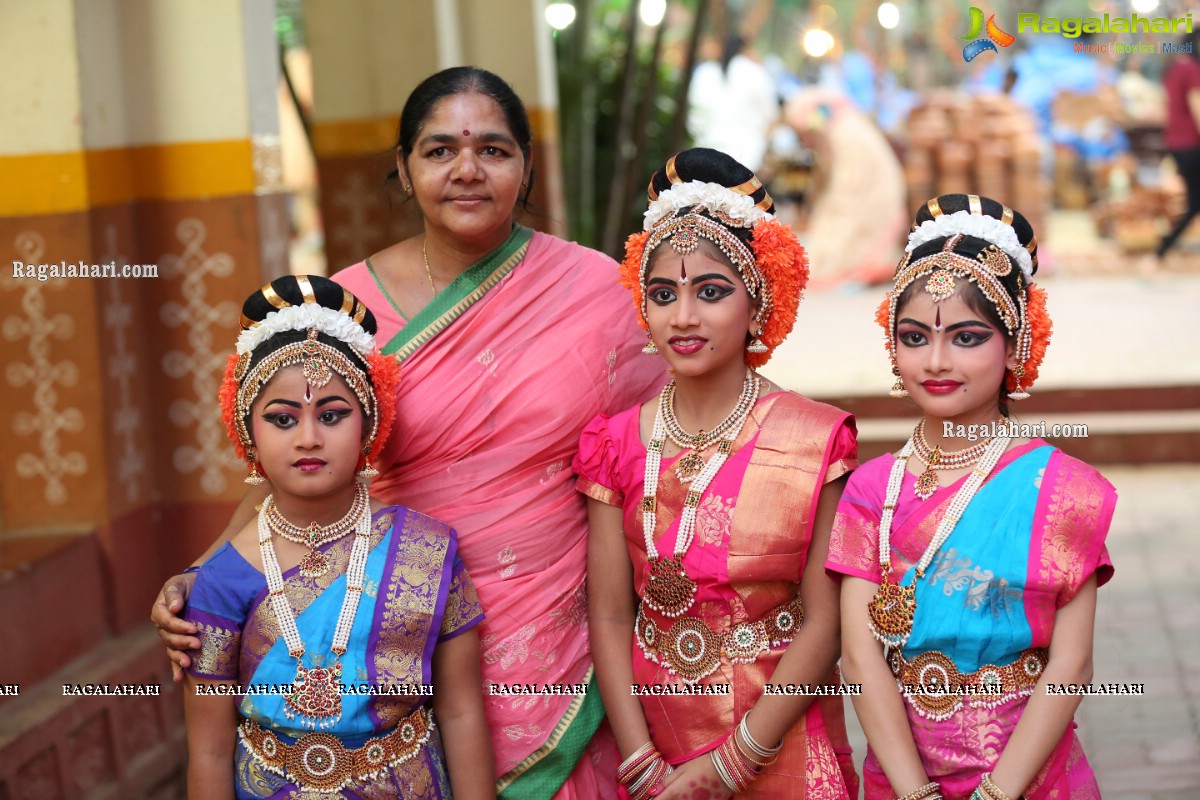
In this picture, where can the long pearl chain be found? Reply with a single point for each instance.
(658, 436)
(282, 608)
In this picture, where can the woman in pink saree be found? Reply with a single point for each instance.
(509, 342)
(710, 510)
(971, 557)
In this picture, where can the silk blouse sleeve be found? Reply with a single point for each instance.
(854, 540)
(596, 463)
(843, 451)
(218, 606)
(463, 610)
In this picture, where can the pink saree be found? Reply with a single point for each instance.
(500, 374)
(1031, 537)
(753, 530)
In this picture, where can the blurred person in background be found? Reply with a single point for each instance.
(1181, 134)
(733, 104)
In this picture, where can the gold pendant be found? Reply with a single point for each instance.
(927, 484)
(313, 564)
(669, 590)
(890, 613)
(316, 697)
(689, 466)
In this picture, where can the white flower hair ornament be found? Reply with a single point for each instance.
(980, 226)
(737, 208)
(303, 317)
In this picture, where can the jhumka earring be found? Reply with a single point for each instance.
(1018, 393)
(368, 470)
(898, 389)
(650, 348)
(255, 478)
(756, 344)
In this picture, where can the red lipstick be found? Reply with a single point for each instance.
(942, 387)
(309, 464)
(686, 345)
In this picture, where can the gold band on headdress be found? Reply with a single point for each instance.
(1007, 215)
(975, 206)
(934, 208)
(306, 289)
(672, 175)
(348, 301)
(274, 299)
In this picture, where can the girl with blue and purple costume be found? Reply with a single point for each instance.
(338, 653)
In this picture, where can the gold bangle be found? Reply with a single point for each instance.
(990, 790)
(924, 792)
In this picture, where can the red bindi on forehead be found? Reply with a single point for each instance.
(466, 132)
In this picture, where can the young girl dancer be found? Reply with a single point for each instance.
(710, 508)
(327, 623)
(971, 562)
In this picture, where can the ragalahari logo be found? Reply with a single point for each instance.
(995, 36)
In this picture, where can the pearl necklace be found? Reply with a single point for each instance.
(317, 693)
(890, 612)
(669, 590)
(314, 564)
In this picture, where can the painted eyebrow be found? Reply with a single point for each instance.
(970, 323)
(294, 404)
(662, 281)
(709, 276)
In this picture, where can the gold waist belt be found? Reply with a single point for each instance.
(692, 650)
(319, 760)
(936, 689)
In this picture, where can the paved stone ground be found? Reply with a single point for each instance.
(1147, 631)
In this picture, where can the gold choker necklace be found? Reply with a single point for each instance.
(314, 564)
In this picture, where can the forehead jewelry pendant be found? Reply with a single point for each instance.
(940, 284)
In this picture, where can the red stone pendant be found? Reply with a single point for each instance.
(316, 698)
(313, 564)
(669, 590)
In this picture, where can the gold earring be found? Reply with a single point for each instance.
(254, 478)
(898, 389)
(1018, 393)
(650, 348)
(756, 344)
(368, 470)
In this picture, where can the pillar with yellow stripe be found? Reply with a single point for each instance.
(367, 57)
(140, 134)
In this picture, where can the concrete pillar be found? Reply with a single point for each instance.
(138, 133)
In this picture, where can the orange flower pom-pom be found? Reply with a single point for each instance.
(629, 272)
(1040, 327)
(784, 267)
(227, 395)
(385, 377)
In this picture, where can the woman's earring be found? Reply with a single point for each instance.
(254, 478)
(368, 470)
(649, 348)
(1018, 393)
(756, 344)
(898, 389)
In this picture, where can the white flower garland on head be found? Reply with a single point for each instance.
(983, 227)
(713, 196)
(337, 324)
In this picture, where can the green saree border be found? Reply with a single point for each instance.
(545, 770)
(460, 295)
